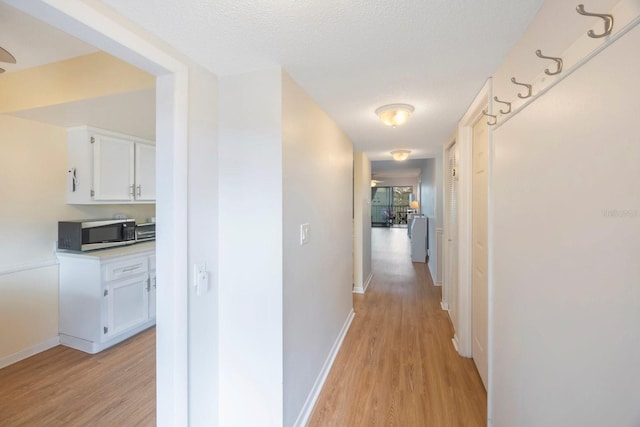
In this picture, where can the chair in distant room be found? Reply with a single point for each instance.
(402, 218)
(391, 217)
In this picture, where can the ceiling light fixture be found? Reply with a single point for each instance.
(5, 56)
(394, 114)
(400, 155)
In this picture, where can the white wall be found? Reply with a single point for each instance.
(361, 222)
(33, 171)
(283, 306)
(250, 249)
(566, 238)
(317, 189)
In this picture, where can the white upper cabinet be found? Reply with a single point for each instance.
(106, 167)
(113, 168)
(145, 171)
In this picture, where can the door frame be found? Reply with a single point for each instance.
(463, 330)
(445, 303)
(101, 27)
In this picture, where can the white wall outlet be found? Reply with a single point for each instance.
(304, 234)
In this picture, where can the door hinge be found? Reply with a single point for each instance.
(93, 140)
(106, 329)
(106, 292)
(93, 193)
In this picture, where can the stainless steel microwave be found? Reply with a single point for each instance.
(90, 234)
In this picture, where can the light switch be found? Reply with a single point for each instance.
(201, 278)
(304, 234)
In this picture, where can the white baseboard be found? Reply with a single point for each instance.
(92, 347)
(28, 352)
(363, 289)
(309, 404)
(368, 281)
(444, 306)
(454, 340)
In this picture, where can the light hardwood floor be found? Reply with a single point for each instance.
(397, 365)
(66, 387)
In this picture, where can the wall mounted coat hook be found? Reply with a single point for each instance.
(491, 116)
(508, 104)
(557, 60)
(529, 88)
(608, 22)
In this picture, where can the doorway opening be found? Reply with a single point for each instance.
(100, 28)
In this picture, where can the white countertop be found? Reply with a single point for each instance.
(103, 254)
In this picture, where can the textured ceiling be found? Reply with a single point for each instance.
(353, 56)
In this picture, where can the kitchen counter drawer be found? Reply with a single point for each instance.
(126, 268)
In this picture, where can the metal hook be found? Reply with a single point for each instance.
(558, 63)
(529, 88)
(608, 22)
(495, 118)
(508, 104)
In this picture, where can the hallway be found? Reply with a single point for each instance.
(397, 365)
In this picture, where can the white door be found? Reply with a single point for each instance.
(479, 281)
(451, 283)
(145, 171)
(112, 168)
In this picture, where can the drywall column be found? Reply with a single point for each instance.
(428, 189)
(362, 272)
(250, 249)
(203, 247)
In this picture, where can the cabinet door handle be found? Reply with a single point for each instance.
(139, 190)
(131, 190)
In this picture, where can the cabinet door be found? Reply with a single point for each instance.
(113, 167)
(127, 304)
(145, 171)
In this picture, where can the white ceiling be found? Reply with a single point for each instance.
(33, 43)
(353, 56)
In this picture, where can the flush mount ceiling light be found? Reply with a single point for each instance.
(400, 155)
(394, 114)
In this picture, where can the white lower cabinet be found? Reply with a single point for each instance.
(105, 296)
(152, 288)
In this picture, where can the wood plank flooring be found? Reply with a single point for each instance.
(66, 387)
(397, 365)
